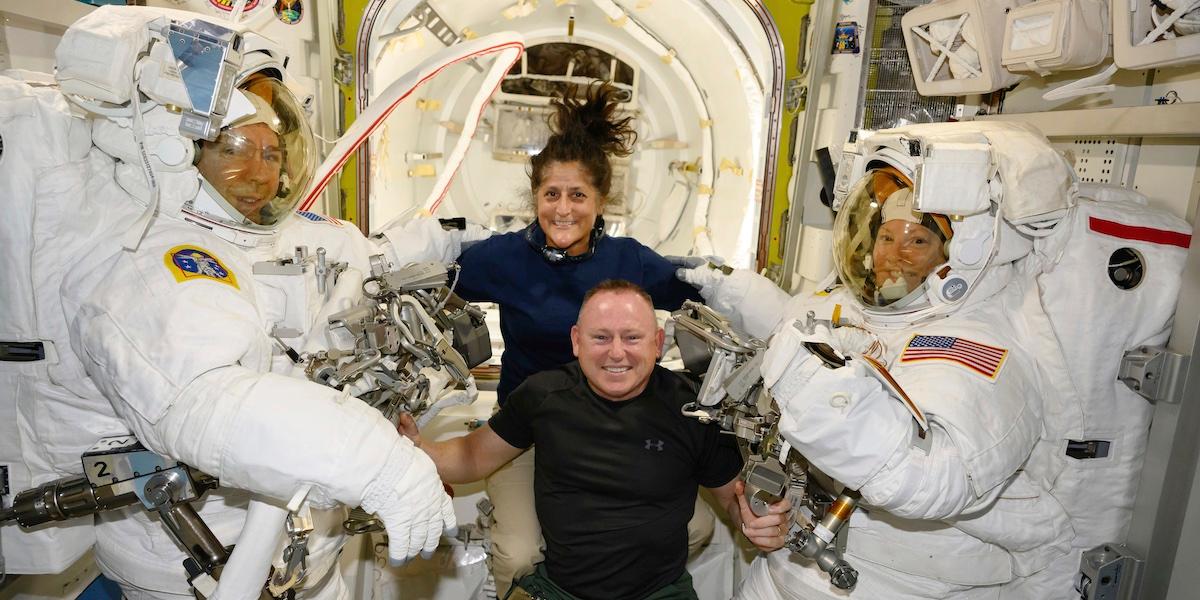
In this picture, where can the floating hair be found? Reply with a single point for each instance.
(585, 128)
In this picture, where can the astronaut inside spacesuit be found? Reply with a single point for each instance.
(959, 509)
(179, 336)
(244, 164)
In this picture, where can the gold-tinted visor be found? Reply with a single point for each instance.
(262, 162)
(884, 248)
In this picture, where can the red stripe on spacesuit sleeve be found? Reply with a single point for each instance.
(1141, 234)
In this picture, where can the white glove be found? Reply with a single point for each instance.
(425, 239)
(786, 351)
(841, 419)
(786, 355)
(409, 498)
(691, 262)
(753, 303)
(849, 340)
(473, 232)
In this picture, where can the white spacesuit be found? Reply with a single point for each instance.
(166, 308)
(970, 508)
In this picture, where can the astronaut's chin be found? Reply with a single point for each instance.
(893, 289)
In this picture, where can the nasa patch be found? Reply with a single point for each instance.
(191, 263)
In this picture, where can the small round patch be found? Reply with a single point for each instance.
(289, 11)
(1126, 268)
(954, 288)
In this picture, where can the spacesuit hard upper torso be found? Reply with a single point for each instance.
(954, 511)
(186, 302)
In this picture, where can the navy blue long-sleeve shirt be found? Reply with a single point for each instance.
(539, 301)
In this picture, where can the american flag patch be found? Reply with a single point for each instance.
(981, 358)
(318, 218)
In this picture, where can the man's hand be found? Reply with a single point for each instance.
(768, 532)
(408, 428)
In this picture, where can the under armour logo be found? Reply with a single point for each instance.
(654, 445)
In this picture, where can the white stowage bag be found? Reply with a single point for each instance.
(55, 195)
(1085, 325)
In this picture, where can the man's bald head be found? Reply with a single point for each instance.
(617, 339)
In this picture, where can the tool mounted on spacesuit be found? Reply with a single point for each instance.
(732, 396)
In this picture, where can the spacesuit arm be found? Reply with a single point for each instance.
(425, 239)
(851, 428)
(183, 364)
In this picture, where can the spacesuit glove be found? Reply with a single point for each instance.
(786, 355)
(409, 498)
(753, 303)
(850, 340)
(841, 419)
(691, 262)
(426, 239)
(464, 233)
(793, 334)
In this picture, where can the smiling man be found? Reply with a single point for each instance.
(617, 465)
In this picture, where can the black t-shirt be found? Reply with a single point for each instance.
(615, 482)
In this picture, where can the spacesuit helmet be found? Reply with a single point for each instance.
(254, 173)
(933, 216)
(885, 248)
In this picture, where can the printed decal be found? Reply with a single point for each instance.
(318, 218)
(191, 263)
(289, 11)
(227, 5)
(980, 358)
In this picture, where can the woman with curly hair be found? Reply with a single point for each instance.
(539, 277)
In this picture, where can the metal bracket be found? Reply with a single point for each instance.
(1154, 372)
(343, 68)
(1109, 572)
(3, 493)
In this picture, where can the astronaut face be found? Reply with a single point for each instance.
(617, 341)
(567, 205)
(904, 254)
(244, 166)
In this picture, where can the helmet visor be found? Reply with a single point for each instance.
(263, 161)
(883, 248)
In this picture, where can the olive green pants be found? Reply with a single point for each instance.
(538, 586)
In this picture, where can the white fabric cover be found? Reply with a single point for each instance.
(1081, 325)
(45, 419)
